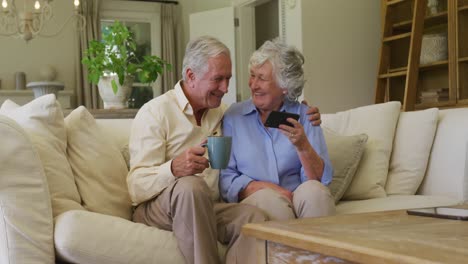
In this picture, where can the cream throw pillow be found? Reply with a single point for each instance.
(379, 123)
(26, 224)
(99, 168)
(345, 152)
(42, 119)
(411, 148)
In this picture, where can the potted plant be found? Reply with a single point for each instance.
(112, 64)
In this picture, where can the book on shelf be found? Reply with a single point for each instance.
(434, 95)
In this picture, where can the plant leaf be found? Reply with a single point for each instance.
(115, 88)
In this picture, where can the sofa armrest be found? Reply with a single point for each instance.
(26, 225)
(87, 237)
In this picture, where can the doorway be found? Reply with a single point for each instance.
(266, 22)
(257, 21)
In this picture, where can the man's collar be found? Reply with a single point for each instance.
(182, 100)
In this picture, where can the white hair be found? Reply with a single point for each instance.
(286, 62)
(198, 52)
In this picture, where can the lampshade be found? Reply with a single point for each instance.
(28, 21)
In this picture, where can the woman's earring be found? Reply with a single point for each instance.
(285, 91)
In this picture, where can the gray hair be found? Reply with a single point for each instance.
(287, 64)
(198, 51)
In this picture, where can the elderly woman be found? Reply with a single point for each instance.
(284, 170)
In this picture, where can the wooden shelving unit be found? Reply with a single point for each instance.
(401, 77)
(462, 52)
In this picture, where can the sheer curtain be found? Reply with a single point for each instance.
(87, 93)
(170, 39)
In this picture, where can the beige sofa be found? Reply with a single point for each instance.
(63, 195)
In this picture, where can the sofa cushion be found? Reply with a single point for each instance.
(125, 151)
(345, 152)
(119, 132)
(447, 172)
(393, 202)
(86, 237)
(378, 122)
(411, 148)
(42, 119)
(98, 166)
(26, 225)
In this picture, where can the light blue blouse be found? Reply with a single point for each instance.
(265, 154)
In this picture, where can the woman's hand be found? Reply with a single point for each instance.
(312, 163)
(295, 134)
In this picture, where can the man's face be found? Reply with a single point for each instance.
(209, 88)
(266, 94)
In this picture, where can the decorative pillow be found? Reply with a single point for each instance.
(99, 168)
(379, 123)
(26, 223)
(411, 148)
(345, 153)
(42, 119)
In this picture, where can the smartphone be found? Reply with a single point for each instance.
(441, 212)
(277, 118)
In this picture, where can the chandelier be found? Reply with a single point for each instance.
(27, 22)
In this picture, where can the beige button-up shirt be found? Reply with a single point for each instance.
(164, 128)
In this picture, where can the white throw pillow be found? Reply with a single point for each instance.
(345, 153)
(411, 148)
(42, 119)
(99, 168)
(26, 224)
(378, 122)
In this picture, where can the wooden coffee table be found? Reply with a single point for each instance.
(380, 237)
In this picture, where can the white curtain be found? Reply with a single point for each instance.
(87, 93)
(170, 38)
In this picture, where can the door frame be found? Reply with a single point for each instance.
(244, 12)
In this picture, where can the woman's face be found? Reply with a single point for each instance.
(266, 94)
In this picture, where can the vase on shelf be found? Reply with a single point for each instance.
(46, 87)
(20, 81)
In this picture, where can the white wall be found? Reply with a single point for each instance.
(193, 6)
(340, 40)
(17, 55)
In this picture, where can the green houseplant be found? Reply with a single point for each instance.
(116, 56)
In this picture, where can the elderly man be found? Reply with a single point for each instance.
(170, 180)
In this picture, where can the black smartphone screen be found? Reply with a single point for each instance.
(277, 118)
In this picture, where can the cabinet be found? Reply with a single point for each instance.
(424, 54)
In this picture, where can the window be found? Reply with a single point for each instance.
(144, 21)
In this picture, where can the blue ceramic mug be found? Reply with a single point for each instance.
(219, 151)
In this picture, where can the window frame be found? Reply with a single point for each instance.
(136, 11)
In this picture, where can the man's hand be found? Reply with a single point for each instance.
(189, 162)
(254, 186)
(314, 114)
